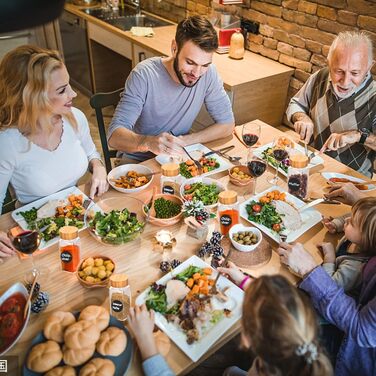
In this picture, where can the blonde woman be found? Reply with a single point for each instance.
(45, 143)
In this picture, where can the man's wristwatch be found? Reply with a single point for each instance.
(364, 133)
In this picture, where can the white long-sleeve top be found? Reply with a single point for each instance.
(35, 172)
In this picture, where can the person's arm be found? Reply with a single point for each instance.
(339, 140)
(341, 310)
(346, 193)
(6, 246)
(7, 166)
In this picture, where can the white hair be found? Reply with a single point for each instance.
(352, 39)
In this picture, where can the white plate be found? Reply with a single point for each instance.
(122, 170)
(196, 350)
(206, 181)
(62, 195)
(17, 287)
(309, 217)
(329, 175)
(196, 151)
(315, 161)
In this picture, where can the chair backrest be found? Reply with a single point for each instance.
(99, 101)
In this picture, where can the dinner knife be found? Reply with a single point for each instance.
(219, 151)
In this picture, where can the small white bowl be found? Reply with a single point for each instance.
(17, 287)
(240, 228)
(122, 170)
(206, 181)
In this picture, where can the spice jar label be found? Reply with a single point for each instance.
(167, 189)
(226, 220)
(66, 256)
(117, 306)
(294, 184)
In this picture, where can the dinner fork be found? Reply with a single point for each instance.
(195, 161)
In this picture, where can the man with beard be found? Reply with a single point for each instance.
(335, 110)
(163, 96)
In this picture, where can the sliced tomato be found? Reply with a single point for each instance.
(187, 187)
(256, 208)
(277, 227)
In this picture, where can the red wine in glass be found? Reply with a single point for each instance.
(256, 168)
(27, 242)
(280, 154)
(250, 139)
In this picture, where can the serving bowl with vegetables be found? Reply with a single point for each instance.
(245, 239)
(116, 220)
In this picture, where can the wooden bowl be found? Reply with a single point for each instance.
(163, 222)
(103, 282)
(237, 181)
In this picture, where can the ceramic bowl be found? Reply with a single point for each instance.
(240, 228)
(164, 221)
(123, 170)
(240, 182)
(14, 289)
(103, 283)
(206, 181)
(104, 230)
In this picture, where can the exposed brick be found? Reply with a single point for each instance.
(317, 35)
(296, 84)
(275, 2)
(325, 50)
(254, 47)
(270, 43)
(202, 9)
(315, 68)
(301, 75)
(299, 17)
(301, 54)
(255, 16)
(257, 39)
(290, 4)
(326, 12)
(271, 10)
(278, 23)
(266, 30)
(333, 3)
(313, 46)
(191, 6)
(204, 2)
(281, 35)
(307, 7)
(297, 41)
(268, 52)
(362, 7)
(296, 63)
(333, 27)
(285, 48)
(368, 23)
(318, 60)
(347, 18)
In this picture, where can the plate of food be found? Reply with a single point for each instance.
(334, 177)
(211, 164)
(51, 213)
(202, 189)
(266, 152)
(187, 311)
(276, 212)
(69, 340)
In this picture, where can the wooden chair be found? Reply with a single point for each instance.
(99, 101)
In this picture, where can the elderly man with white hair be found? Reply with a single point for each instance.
(335, 110)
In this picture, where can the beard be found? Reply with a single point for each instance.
(344, 95)
(180, 75)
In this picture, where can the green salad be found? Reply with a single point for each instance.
(117, 226)
(207, 193)
(267, 155)
(265, 214)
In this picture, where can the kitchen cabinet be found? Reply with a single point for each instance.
(141, 53)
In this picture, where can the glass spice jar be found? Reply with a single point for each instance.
(228, 210)
(170, 179)
(297, 175)
(120, 296)
(69, 245)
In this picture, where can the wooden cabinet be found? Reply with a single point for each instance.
(141, 53)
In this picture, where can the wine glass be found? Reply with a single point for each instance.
(280, 152)
(256, 167)
(251, 133)
(27, 242)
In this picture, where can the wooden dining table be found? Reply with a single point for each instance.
(140, 262)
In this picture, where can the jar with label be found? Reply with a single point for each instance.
(69, 245)
(228, 210)
(170, 179)
(120, 296)
(297, 180)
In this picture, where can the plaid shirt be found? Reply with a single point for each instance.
(331, 114)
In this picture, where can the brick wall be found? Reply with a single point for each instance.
(298, 33)
(174, 10)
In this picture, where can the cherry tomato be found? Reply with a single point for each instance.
(256, 208)
(277, 227)
(187, 187)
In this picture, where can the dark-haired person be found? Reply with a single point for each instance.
(163, 96)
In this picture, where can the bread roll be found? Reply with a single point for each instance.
(112, 342)
(81, 334)
(44, 356)
(76, 357)
(56, 324)
(98, 315)
(62, 371)
(98, 367)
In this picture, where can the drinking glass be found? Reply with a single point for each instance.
(251, 133)
(27, 242)
(280, 153)
(256, 167)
